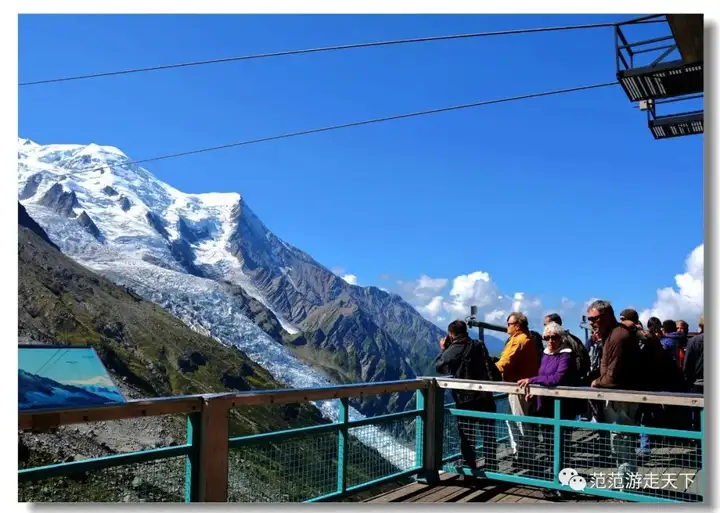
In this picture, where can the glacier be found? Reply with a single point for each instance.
(140, 218)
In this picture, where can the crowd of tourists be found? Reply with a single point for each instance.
(620, 353)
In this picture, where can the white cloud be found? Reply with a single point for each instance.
(525, 304)
(685, 301)
(421, 291)
(351, 279)
(471, 289)
(433, 308)
(428, 283)
(496, 316)
(432, 299)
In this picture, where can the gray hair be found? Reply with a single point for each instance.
(520, 318)
(603, 307)
(553, 328)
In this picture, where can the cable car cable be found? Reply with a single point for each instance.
(355, 124)
(321, 49)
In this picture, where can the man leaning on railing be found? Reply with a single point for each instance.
(619, 370)
(465, 358)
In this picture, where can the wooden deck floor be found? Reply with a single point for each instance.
(582, 455)
(453, 488)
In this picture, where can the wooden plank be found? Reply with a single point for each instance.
(510, 497)
(479, 492)
(398, 493)
(45, 420)
(213, 471)
(440, 494)
(301, 395)
(531, 500)
(600, 394)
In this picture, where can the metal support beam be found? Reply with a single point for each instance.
(667, 52)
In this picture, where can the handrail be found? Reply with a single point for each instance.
(295, 395)
(601, 394)
(43, 420)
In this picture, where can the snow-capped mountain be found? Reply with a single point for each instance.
(205, 257)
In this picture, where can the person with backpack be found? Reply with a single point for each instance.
(464, 358)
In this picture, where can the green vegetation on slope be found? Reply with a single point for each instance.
(150, 353)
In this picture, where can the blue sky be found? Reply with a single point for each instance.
(567, 196)
(63, 365)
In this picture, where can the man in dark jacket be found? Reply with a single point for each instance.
(618, 369)
(693, 368)
(469, 359)
(655, 374)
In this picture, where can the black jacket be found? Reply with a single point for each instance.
(449, 362)
(693, 365)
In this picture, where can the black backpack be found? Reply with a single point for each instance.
(538, 342)
(582, 358)
(476, 363)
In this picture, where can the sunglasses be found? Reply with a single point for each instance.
(593, 318)
(551, 337)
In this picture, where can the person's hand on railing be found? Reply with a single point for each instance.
(525, 384)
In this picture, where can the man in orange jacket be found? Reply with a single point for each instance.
(519, 360)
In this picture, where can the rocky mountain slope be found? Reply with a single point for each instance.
(212, 263)
(149, 353)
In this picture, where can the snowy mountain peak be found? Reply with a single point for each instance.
(210, 261)
(113, 210)
(26, 142)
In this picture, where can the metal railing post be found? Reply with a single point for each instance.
(703, 461)
(433, 430)
(342, 459)
(214, 439)
(420, 402)
(557, 441)
(192, 460)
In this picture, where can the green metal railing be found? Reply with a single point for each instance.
(607, 456)
(333, 461)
